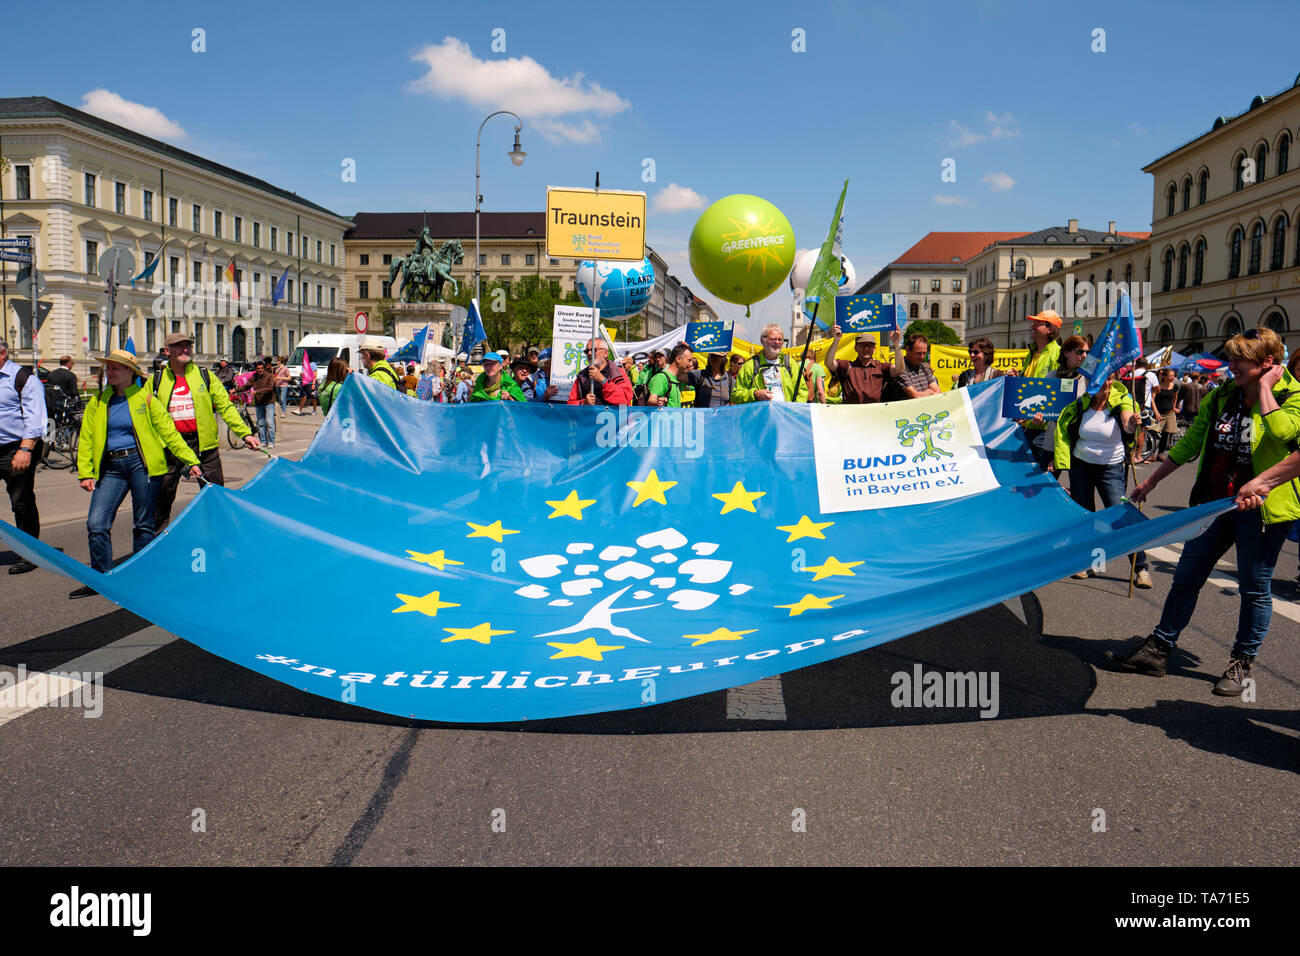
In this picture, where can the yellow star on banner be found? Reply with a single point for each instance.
(588, 649)
(738, 497)
(721, 634)
(810, 603)
(437, 559)
(430, 604)
(493, 531)
(833, 566)
(806, 528)
(482, 633)
(570, 507)
(652, 489)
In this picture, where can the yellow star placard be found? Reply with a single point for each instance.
(832, 567)
(482, 633)
(436, 559)
(805, 528)
(810, 602)
(570, 507)
(430, 604)
(739, 498)
(721, 634)
(588, 649)
(651, 489)
(493, 531)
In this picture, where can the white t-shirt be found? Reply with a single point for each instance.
(1100, 442)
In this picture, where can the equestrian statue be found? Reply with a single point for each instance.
(426, 269)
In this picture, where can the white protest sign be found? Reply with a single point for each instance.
(570, 333)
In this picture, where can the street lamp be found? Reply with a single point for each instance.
(516, 156)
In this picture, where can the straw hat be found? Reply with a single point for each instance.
(122, 357)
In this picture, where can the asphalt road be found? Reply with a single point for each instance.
(197, 761)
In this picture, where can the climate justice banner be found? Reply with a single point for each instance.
(509, 561)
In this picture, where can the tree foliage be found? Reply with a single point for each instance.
(935, 331)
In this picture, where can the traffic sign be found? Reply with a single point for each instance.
(18, 242)
(361, 323)
(10, 255)
(118, 262)
(595, 224)
(23, 308)
(25, 283)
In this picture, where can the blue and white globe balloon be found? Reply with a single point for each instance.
(622, 288)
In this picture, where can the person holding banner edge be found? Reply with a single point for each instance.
(1243, 429)
(1043, 357)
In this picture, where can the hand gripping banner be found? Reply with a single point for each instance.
(503, 561)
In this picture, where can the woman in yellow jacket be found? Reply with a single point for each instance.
(123, 432)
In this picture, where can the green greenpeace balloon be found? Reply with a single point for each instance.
(742, 248)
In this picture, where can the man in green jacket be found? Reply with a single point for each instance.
(768, 376)
(377, 367)
(1243, 428)
(665, 386)
(492, 386)
(1042, 361)
(193, 397)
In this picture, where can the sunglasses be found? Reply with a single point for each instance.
(1081, 351)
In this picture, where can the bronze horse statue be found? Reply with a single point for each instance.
(426, 269)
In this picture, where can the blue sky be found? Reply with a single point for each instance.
(1041, 127)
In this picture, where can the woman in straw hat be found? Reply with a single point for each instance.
(123, 434)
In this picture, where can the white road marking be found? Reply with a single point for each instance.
(42, 689)
(761, 700)
(1287, 609)
(1016, 607)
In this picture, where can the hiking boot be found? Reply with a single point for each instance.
(1082, 574)
(21, 566)
(1233, 681)
(1151, 658)
(1143, 579)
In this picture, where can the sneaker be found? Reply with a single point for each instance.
(1143, 579)
(1083, 574)
(83, 591)
(1233, 681)
(1150, 658)
(21, 566)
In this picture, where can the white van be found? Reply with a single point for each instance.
(322, 347)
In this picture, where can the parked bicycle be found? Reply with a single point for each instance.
(243, 401)
(65, 418)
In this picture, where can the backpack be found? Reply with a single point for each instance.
(641, 392)
(207, 381)
(645, 399)
(397, 382)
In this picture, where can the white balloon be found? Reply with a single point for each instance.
(803, 267)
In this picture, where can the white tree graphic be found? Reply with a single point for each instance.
(653, 567)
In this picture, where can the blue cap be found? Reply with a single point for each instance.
(543, 355)
(492, 357)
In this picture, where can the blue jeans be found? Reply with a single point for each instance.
(117, 476)
(1107, 481)
(283, 392)
(1258, 546)
(265, 423)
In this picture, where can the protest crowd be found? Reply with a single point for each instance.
(145, 430)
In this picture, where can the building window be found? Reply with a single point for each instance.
(273, 238)
(386, 289)
(934, 310)
(172, 212)
(1261, 157)
(505, 258)
(1202, 187)
(92, 256)
(147, 204)
(934, 285)
(1234, 254)
(388, 259)
(288, 288)
(1170, 193)
(331, 253)
(1198, 264)
(216, 224)
(119, 198)
(257, 341)
(304, 247)
(198, 338)
(1020, 269)
(332, 297)
(914, 285)
(239, 229)
(1182, 267)
(1256, 247)
(318, 248)
(196, 272)
(552, 262)
(363, 289)
(257, 285)
(956, 310)
(275, 341)
(530, 259)
(914, 311)
(89, 194)
(1187, 194)
(92, 331)
(173, 267)
(1283, 153)
(1279, 242)
(577, 262)
(221, 339)
(482, 259)
(956, 285)
(22, 182)
(1169, 270)
(365, 259)
(319, 299)
(176, 327)
(304, 293)
(1128, 276)
(257, 235)
(151, 335)
(288, 242)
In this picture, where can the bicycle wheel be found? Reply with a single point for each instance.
(233, 440)
(57, 451)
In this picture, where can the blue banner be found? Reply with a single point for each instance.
(1023, 397)
(576, 559)
(1118, 345)
(472, 333)
(878, 312)
(709, 336)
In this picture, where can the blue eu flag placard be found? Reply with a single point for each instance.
(878, 312)
(1024, 397)
(709, 336)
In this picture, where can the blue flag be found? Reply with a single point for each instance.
(473, 333)
(412, 351)
(278, 292)
(709, 336)
(878, 312)
(1023, 397)
(574, 560)
(149, 270)
(1118, 345)
(130, 343)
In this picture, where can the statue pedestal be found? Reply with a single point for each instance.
(410, 317)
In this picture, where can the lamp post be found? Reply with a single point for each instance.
(516, 155)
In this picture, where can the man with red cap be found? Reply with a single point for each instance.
(1044, 356)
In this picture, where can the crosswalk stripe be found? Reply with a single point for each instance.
(761, 700)
(44, 689)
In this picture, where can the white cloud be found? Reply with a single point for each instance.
(999, 182)
(674, 198)
(520, 84)
(1001, 127)
(959, 135)
(134, 116)
(998, 127)
(1138, 128)
(940, 200)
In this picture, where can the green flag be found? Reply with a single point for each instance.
(825, 278)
